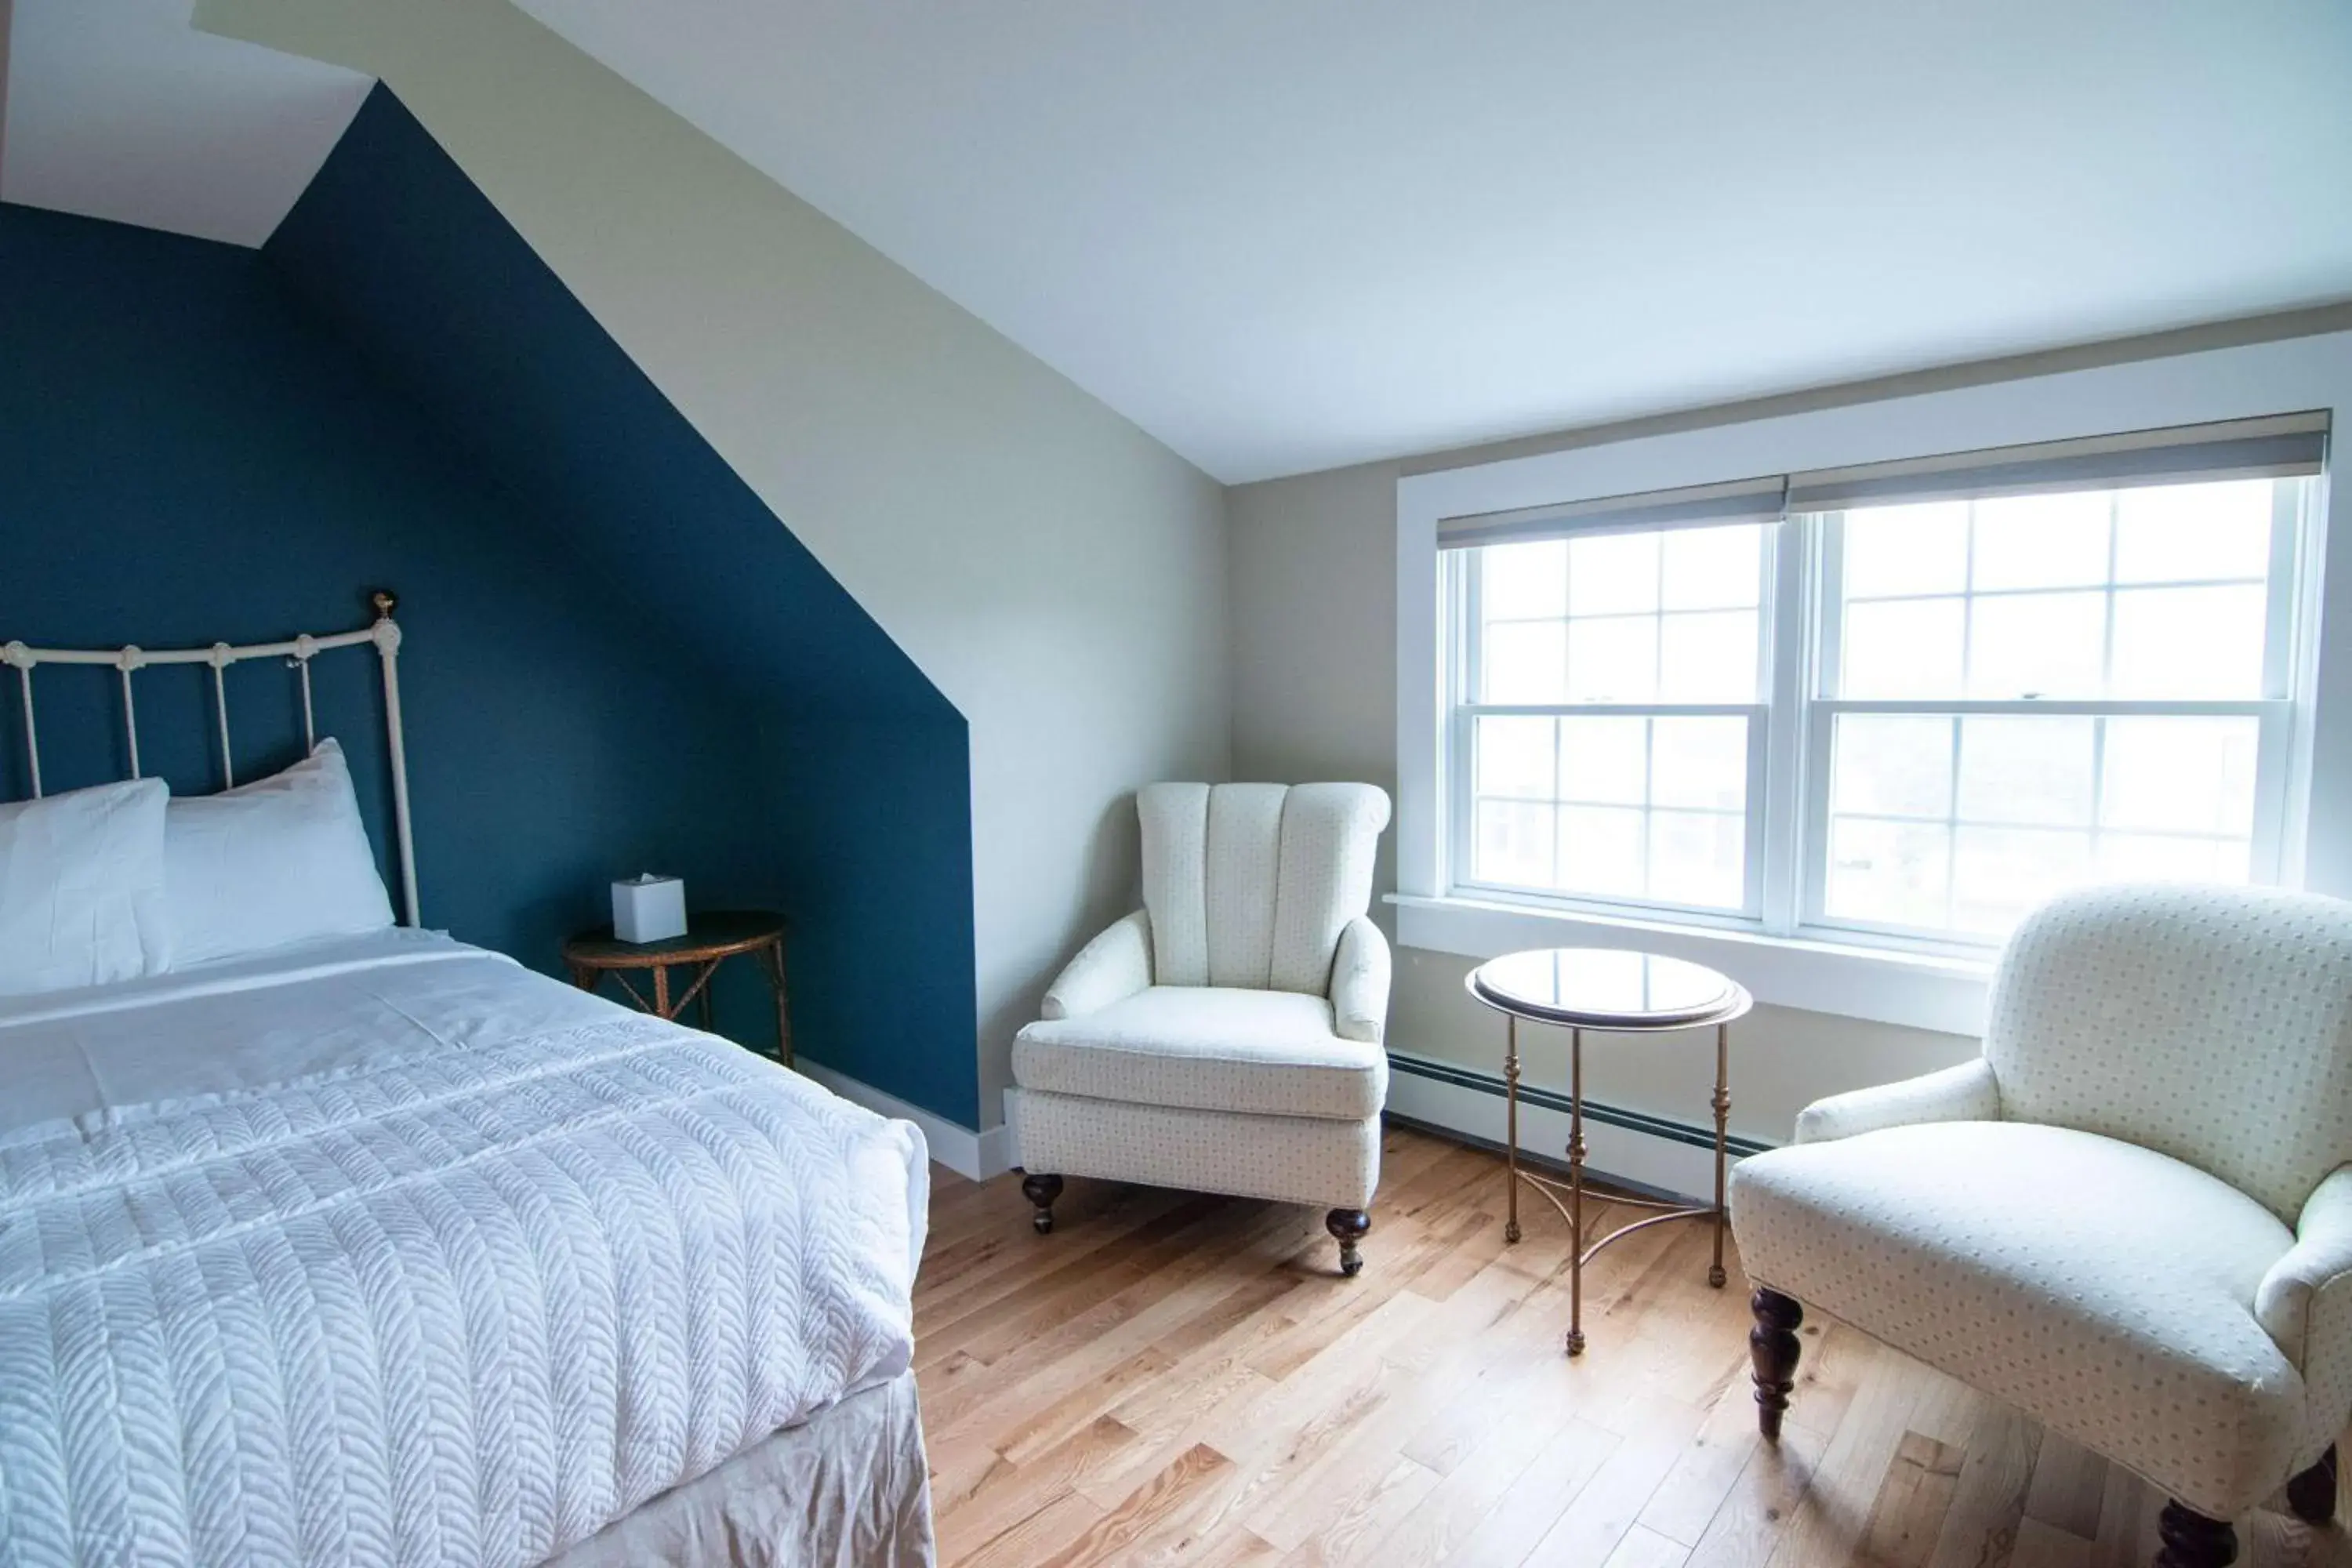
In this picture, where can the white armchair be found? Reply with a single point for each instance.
(2131, 1217)
(1226, 1036)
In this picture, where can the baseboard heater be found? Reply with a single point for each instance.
(1651, 1155)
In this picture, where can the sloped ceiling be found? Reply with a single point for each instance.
(1283, 236)
(1286, 236)
(118, 109)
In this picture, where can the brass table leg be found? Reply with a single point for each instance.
(1511, 1122)
(1722, 1115)
(1576, 1191)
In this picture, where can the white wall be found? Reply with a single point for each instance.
(1056, 573)
(1313, 567)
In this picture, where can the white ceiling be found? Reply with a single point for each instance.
(118, 109)
(1287, 236)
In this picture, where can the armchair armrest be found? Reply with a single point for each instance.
(1968, 1092)
(1359, 983)
(2305, 1302)
(1111, 968)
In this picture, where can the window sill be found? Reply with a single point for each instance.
(1919, 991)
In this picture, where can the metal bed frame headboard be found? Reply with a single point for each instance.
(383, 635)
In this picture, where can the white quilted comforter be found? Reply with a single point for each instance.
(459, 1267)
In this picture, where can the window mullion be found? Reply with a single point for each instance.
(1464, 596)
(2278, 607)
(2107, 630)
(1787, 719)
(2267, 856)
(2106, 685)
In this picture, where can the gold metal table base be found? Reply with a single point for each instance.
(1572, 1211)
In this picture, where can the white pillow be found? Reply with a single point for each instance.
(282, 859)
(80, 872)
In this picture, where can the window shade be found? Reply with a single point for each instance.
(1741, 501)
(2284, 446)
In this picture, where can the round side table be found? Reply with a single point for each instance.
(1581, 988)
(713, 937)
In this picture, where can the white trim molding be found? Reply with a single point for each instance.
(2311, 375)
(978, 1155)
(1916, 990)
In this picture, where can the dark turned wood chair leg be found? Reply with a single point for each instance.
(2192, 1540)
(2312, 1494)
(1772, 1349)
(1041, 1192)
(1347, 1227)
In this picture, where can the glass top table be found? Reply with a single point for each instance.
(1619, 991)
(1604, 988)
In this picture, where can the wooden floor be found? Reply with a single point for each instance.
(1171, 1378)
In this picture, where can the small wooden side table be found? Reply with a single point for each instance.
(713, 937)
(1621, 993)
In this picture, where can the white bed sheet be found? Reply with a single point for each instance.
(338, 1005)
(191, 1164)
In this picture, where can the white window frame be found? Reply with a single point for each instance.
(1461, 587)
(1790, 958)
(1787, 847)
(2275, 712)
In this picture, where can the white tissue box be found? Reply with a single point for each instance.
(649, 908)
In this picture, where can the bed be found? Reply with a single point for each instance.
(377, 1247)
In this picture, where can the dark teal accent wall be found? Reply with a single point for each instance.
(617, 657)
(183, 458)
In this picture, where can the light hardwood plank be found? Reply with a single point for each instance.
(1907, 1515)
(2069, 1488)
(1642, 1547)
(1169, 1378)
(1981, 1526)
(1747, 1529)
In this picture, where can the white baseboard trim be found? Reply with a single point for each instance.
(978, 1155)
(1668, 1160)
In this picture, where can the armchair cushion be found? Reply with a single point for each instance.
(1208, 1049)
(2106, 1289)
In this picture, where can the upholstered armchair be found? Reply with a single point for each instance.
(1226, 1036)
(2131, 1217)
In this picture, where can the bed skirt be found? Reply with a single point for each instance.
(849, 1488)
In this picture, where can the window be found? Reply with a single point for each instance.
(1898, 707)
(1612, 736)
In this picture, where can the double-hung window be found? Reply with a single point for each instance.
(1900, 704)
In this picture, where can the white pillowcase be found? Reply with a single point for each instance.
(280, 860)
(80, 875)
